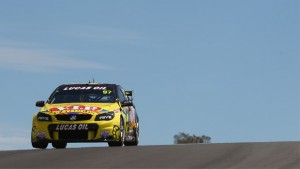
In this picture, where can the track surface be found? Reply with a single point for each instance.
(285, 155)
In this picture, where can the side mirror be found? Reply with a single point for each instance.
(126, 103)
(40, 103)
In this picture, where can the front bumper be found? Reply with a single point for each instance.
(102, 131)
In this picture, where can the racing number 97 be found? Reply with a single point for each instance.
(107, 91)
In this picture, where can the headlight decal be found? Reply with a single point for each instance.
(43, 117)
(105, 116)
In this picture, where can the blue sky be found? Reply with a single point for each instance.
(226, 69)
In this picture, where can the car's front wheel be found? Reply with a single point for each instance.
(59, 145)
(38, 144)
(42, 145)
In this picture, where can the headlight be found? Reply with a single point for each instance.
(105, 116)
(43, 117)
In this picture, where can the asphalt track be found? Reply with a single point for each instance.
(281, 155)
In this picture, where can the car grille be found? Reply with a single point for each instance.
(70, 117)
(73, 135)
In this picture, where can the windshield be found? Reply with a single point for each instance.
(83, 94)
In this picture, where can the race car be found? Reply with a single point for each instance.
(91, 112)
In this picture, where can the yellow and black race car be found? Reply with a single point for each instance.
(90, 112)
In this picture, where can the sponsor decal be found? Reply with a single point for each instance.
(75, 109)
(114, 132)
(67, 127)
(133, 125)
(104, 134)
(105, 117)
(41, 135)
(44, 118)
(37, 135)
(85, 88)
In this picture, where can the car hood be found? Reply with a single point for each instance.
(80, 108)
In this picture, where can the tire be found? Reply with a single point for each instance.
(41, 145)
(38, 144)
(137, 137)
(122, 137)
(59, 145)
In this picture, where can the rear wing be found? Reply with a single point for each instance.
(129, 94)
